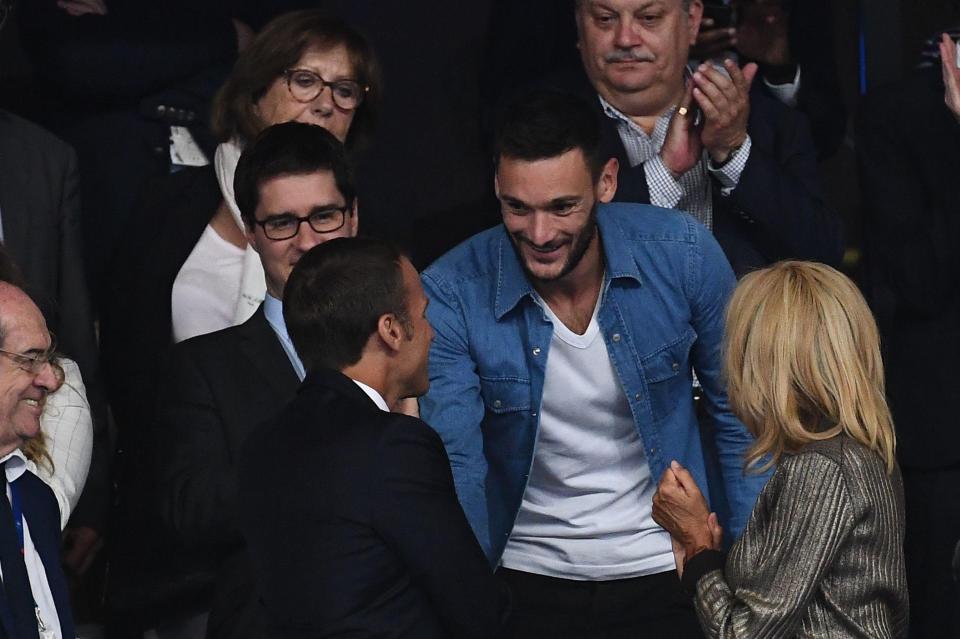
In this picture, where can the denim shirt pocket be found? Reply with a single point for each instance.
(504, 395)
(666, 373)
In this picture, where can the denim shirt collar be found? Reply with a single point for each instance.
(513, 284)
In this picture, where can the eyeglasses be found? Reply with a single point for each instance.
(283, 227)
(32, 363)
(306, 85)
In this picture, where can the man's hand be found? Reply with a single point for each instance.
(681, 148)
(83, 7)
(724, 99)
(951, 75)
(712, 42)
(762, 34)
(80, 548)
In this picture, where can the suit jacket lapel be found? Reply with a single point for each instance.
(262, 347)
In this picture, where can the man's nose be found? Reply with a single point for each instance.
(627, 34)
(307, 238)
(540, 231)
(47, 379)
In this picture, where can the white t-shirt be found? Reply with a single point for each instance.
(206, 290)
(586, 511)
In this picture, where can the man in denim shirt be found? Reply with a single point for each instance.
(560, 381)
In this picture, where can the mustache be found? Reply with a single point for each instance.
(628, 55)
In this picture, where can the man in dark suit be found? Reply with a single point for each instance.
(349, 510)
(908, 140)
(702, 141)
(40, 217)
(295, 191)
(34, 596)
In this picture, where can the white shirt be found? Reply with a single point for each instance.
(374, 395)
(16, 466)
(205, 291)
(587, 508)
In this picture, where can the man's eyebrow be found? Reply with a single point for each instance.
(316, 209)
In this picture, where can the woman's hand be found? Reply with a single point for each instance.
(680, 508)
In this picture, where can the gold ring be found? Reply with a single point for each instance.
(682, 110)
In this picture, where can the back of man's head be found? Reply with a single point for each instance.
(290, 148)
(336, 296)
(545, 124)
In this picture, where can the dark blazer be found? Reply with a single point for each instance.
(43, 517)
(353, 525)
(212, 391)
(777, 210)
(907, 148)
(40, 213)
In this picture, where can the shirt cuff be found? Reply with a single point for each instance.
(665, 191)
(728, 174)
(699, 565)
(786, 93)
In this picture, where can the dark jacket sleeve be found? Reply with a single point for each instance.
(422, 520)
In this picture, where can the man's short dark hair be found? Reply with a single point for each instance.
(290, 148)
(543, 124)
(337, 294)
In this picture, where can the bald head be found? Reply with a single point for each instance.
(16, 306)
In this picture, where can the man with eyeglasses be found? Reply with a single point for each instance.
(294, 191)
(33, 601)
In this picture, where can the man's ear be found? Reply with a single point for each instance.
(353, 221)
(694, 16)
(607, 184)
(390, 331)
(251, 234)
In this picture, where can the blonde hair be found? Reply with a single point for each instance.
(802, 362)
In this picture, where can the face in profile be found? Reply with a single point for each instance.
(24, 386)
(633, 46)
(308, 206)
(279, 104)
(549, 210)
(418, 336)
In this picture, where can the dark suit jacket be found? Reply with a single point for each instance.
(213, 391)
(353, 525)
(43, 517)
(907, 149)
(777, 210)
(40, 212)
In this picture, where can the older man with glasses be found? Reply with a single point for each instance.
(294, 191)
(33, 601)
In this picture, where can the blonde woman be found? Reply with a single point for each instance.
(822, 553)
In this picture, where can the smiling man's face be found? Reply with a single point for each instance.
(22, 393)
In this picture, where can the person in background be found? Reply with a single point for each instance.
(34, 598)
(60, 453)
(822, 554)
(908, 138)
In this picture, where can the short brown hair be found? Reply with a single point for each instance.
(278, 47)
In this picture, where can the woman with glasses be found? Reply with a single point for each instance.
(822, 553)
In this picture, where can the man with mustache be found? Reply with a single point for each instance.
(701, 139)
(560, 376)
(33, 600)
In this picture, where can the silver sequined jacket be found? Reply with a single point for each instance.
(821, 556)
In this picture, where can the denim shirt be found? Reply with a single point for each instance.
(661, 314)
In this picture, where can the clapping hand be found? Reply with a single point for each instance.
(951, 75)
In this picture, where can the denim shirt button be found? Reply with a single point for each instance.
(616, 337)
(637, 397)
(676, 366)
(497, 403)
(536, 351)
